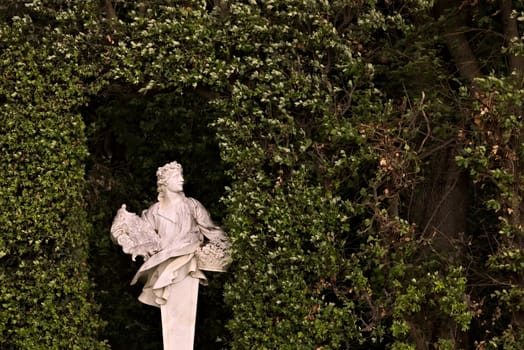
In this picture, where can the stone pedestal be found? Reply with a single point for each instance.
(179, 314)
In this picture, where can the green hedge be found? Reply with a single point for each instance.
(45, 294)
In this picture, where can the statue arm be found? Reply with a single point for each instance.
(206, 225)
(215, 254)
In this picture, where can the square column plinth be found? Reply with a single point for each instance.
(179, 314)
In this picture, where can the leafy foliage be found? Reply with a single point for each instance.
(372, 171)
(46, 296)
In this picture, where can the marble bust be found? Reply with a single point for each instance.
(178, 241)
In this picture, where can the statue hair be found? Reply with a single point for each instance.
(164, 173)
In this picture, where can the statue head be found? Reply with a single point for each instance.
(167, 172)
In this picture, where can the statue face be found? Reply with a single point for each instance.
(176, 182)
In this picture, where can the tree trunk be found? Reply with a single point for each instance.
(511, 32)
(516, 216)
(456, 39)
(440, 210)
(441, 204)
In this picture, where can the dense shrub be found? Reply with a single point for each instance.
(46, 295)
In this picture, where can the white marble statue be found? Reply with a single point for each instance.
(177, 240)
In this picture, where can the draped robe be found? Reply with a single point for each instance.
(181, 232)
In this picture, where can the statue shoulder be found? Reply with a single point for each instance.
(154, 207)
(193, 202)
(196, 207)
(152, 210)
